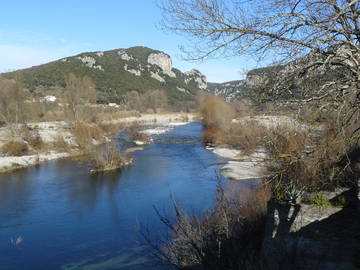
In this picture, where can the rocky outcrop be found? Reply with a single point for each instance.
(197, 77)
(233, 90)
(163, 61)
(90, 62)
(229, 90)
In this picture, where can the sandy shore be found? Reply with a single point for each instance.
(241, 166)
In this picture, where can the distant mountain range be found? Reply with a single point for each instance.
(115, 73)
(233, 90)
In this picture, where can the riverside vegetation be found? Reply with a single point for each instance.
(74, 124)
(316, 44)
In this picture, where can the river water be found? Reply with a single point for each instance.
(58, 216)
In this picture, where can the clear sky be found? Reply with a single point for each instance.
(34, 32)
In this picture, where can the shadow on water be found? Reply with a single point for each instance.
(69, 219)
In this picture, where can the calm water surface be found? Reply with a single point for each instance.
(57, 216)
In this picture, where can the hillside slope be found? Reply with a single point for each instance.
(115, 73)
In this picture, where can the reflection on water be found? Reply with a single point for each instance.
(69, 219)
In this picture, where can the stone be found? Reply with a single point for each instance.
(163, 61)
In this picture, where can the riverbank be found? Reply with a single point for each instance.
(247, 166)
(56, 134)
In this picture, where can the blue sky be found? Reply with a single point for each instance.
(33, 32)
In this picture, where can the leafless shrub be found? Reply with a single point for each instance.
(301, 162)
(108, 158)
(34, 140)
(12, 99)
(156, 101)
(86, 134)
(242, 108)
(111, 129)
(247, 136)
(78, 92)
(227, 237)
(210, 135)
(134, 134)
(15, 148)
(61, 144)
(216, 113)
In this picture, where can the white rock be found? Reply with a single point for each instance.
(156, 76)
(125, 56)
(90, 62)
(226, 152)
(156, 131)
(163, 61)
(196, 76)
(113, 105)
(242, 170)
(48, 99)
(182, 89)
(132, 71)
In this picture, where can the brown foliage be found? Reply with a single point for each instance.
(134, 134)
(15, 148)
(78, 92)
(154, 100)
(108, 158)
(227, 237)
(12, 98)
(211, 135)
(306, 163)
(85, 134)
(216, 112)
(247, 136)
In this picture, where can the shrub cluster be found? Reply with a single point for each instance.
(15, 148)
(108, 158)
(227, 237)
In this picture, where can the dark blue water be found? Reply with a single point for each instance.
(57, 216)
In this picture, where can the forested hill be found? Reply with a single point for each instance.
(115, 73)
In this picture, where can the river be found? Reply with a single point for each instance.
(58, 216)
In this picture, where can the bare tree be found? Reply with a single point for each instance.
(78, 92)
(154, 100)
(315, 40)
(12, 98)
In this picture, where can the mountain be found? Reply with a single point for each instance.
(228, 90)
(115, 73)
(233, 90)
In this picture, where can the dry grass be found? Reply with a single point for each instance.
(61, 144)
(33, 138)
(297, 169)
(15, 148)
(113, 114)
(285, 140)
(87, 134)
(108, 158)
(247, 136)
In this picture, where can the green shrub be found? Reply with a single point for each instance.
(319, 200)
(341, 202)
